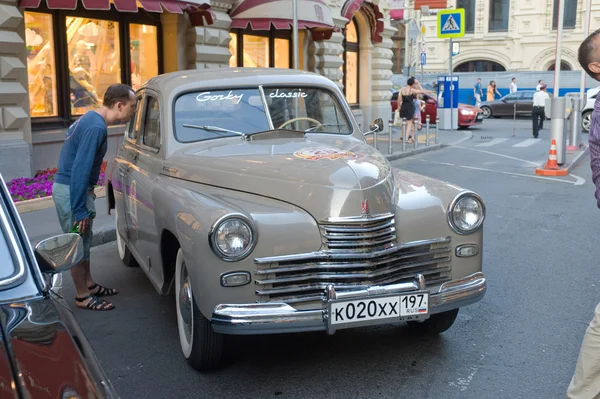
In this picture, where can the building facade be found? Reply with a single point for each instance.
(57, 57)
(506, 35)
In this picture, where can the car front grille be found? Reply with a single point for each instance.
(357, 253)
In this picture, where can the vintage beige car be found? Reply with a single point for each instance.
(254, 193)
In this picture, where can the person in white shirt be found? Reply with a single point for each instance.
(537, 112)
(540, 83)
(513, 85)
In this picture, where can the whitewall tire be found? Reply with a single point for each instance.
(124, 253)
(200, 344)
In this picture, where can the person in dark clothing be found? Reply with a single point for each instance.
(406, 104)
(73, 189)
(538, 110)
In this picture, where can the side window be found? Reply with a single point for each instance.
(152, 125)
(133, 127)
(511, 97)
(527, 96)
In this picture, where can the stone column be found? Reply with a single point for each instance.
(381, 74)
(15, 125)
(326, 57)
(208, 46)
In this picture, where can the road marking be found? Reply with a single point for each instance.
(578, 182)
(536, 164)
(527, 143)
(491, 143)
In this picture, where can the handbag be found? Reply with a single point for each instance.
(397, 120)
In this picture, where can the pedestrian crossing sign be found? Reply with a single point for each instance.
(451, 23)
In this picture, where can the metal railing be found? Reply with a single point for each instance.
(431, 135)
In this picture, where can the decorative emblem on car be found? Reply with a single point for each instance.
(316, 153)
(364, 207)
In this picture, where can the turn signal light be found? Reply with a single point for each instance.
(465, 251)
(235, 279)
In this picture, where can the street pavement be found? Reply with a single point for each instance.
(520, 341)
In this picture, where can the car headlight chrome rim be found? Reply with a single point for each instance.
(232, 237)
(466, 213)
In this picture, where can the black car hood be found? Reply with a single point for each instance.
(47, 353)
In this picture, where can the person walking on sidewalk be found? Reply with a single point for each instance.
(513, 86)
(585, 383)
(477, 92)
(73, 189)
(537, 112)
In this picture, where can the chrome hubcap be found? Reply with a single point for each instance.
(486, 112)
(185, 302)
(586, 122)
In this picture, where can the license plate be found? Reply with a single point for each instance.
(479, 117)
(378, 310)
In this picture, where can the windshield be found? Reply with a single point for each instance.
(226, 113)
(11, 264)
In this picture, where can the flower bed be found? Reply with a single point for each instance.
(40, 185)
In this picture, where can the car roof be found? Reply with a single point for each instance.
(233, 77)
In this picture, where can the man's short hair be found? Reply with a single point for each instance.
(117, 92)
(587, 53)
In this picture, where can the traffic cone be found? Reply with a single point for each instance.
(551, 168)
(552, 162)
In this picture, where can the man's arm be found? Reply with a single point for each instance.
(82, 169)
(594, 143)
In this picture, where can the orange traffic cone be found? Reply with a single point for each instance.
(552, 162)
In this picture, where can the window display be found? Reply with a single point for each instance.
(233, 46)
(350, 66)
(41, 64)
(271, 50)
(144, 53)
(94, 61)
(282, 53)
(256, 51)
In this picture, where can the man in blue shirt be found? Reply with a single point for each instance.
(477, 92)
(78, 171)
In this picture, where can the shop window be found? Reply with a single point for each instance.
(499, 12)
(350, 66)
(257, 49)
(479, 66)
(143, 47)
(94, 61)
(41, 64)
(570, 16)
(72, 59)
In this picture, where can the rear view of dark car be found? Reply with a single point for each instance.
(43, 353)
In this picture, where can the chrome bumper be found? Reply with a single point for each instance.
(280, 318)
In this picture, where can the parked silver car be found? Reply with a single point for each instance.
(254, 194)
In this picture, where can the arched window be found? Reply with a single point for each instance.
(479, 66)
(350, 66)
(564, 66)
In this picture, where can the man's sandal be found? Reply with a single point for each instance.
(95, 303)
(102, 291)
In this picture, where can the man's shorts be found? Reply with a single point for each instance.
(61, 194)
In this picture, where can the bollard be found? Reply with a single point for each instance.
(390, 144)
(415, 128)
(403, 134)
(437, 124)
(375, 139)
(574, 126)
(557, 125)
(427, 131)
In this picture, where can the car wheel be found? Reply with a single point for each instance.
(487, 112)
(436, 324)
(124, 253)
(586, 121)
(201, 345)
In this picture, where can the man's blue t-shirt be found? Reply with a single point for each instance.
(81, 159)
(478, 88)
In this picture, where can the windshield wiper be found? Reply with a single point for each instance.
(315, 127)
(215, 129)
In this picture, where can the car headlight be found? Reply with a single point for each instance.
(466, 213)
(467, 112)
(232, 237)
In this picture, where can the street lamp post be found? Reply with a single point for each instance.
(559, 36)
(586, 33)
(295, 31)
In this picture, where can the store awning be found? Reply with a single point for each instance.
(371, 12)
(172, 6)
(262, 14)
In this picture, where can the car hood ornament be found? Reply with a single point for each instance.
(364, 208)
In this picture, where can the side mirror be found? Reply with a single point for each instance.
(376, 126)
(59, 253)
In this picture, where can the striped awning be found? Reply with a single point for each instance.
(262, 14)
(172, 6)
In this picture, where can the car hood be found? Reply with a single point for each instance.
(470, 107)
(327, 176)
(49, 354)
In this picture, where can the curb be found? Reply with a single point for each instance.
(565, 169)
(415, 151)
(47, 202)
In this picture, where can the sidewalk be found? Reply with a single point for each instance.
(43, 223)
